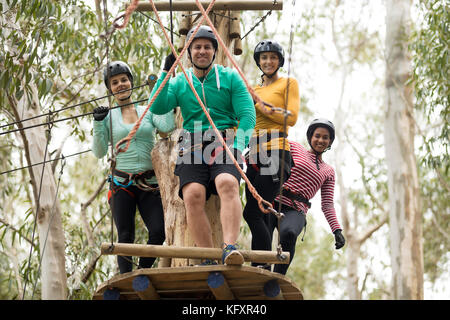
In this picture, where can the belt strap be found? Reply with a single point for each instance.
(132, 176)
(296, 196)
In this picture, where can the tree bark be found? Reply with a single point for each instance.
(405, 216)
(49, 223)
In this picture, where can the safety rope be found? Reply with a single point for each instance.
(112, 158)
(133, 131)
(283, 156)
(251, 188)
(127, 140)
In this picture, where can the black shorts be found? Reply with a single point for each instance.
(201, 159)
(204, 174)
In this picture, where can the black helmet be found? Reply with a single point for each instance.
(203, 32)
(115, 68)
(324, 123)
(269, 46)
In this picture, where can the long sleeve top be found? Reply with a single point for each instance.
(282, 93)
(138, 156)
(306, 180)
(223, 93)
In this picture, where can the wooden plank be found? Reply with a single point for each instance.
(147, 250)
(239, 282)
(218, 5)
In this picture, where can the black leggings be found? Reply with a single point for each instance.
(258, 221)
(124, 212)
(290, 228)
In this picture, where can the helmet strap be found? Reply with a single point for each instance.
(125, 99)
(268, 75)
(129, 96)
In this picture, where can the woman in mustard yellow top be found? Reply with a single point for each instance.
(269, 146)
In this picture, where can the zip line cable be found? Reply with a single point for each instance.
(68, 107)
(148, 17)
(63, 157)
(108, 76)
(68, 118)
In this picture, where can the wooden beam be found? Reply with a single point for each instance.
(218, 5)
(148, 250)
(219, 286)
(144, 288)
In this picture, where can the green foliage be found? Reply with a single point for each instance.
(429, 45)
(430, 48)
(57, 46)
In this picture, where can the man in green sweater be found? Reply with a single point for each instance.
(202, 164)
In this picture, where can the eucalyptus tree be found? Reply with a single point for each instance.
(429, 45)
(405, 216)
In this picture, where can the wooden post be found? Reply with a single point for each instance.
(164, 153)
(190, 5)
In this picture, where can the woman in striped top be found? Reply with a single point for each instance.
(309, 174)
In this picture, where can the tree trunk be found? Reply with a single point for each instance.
(405, 215)
(164, 156)
(49, 223)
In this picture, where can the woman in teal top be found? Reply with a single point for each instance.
(202, 165)
(133, 183)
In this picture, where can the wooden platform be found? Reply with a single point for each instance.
(218, 282)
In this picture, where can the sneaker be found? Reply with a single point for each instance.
(231, 256)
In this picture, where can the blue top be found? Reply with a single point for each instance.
(138, 156)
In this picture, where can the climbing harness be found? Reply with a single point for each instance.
(139, 179)
(295, 196)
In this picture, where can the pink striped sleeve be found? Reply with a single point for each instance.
(327, 195)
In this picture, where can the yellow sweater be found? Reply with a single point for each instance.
(275, 94)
